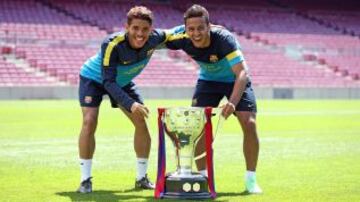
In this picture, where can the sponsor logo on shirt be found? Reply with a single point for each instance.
(135, 69)
(211, 67)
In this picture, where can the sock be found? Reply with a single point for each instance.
(204, 172)
(142, 165)
(85, 167)
(250, 174)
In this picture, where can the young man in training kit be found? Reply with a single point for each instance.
(122, 57)
(223, 72)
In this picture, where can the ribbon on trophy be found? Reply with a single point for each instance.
(160, 182)
(209, 151)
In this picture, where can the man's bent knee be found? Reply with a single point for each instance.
(140, 123)
(250, 128)
(89, 123)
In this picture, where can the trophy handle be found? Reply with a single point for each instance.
(218, 127)
(198, 138)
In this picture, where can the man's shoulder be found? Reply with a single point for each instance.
(114, 38)
(225, 38)
(157, 34)
(221, 32)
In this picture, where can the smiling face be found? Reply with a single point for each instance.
(198, 31)
(138, 32)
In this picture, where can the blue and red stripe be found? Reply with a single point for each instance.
(160, 181)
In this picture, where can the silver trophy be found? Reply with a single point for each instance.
(185, 126)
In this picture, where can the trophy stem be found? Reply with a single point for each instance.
(184, 172)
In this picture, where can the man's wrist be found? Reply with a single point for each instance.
(232, 102)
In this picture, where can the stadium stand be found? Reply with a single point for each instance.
(56, 62)
(31, 20)
(294, 34)
(109, 15)
(11, 75)
(287, 43)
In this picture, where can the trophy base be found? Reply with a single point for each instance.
(194, 186)
(187, 196)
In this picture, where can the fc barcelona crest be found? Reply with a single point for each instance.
(88, 99)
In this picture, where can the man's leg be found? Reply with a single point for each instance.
(87, 146)
(247, 121)
(87, 134)
(142, 140)
(204, 100)
(142, 144)
(251, 142)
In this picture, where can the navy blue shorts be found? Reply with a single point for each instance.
(91, 93)
(210, 93)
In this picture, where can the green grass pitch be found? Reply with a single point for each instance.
(309, 151)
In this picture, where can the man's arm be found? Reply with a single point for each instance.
(175, 40)
(238, 89)
(169, 34)
(238, 66)
(109, 74)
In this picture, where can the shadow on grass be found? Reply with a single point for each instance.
(228, 195)
(107, 195)
(132, 194)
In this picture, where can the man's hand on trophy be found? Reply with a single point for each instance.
(139, 110)
(228, 109)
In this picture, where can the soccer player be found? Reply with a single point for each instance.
(122, 57)
(223, 72)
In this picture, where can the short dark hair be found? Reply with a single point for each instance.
(196, 11)
(140, 12)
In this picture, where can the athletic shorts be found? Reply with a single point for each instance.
(210, 93)
(91, 93)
